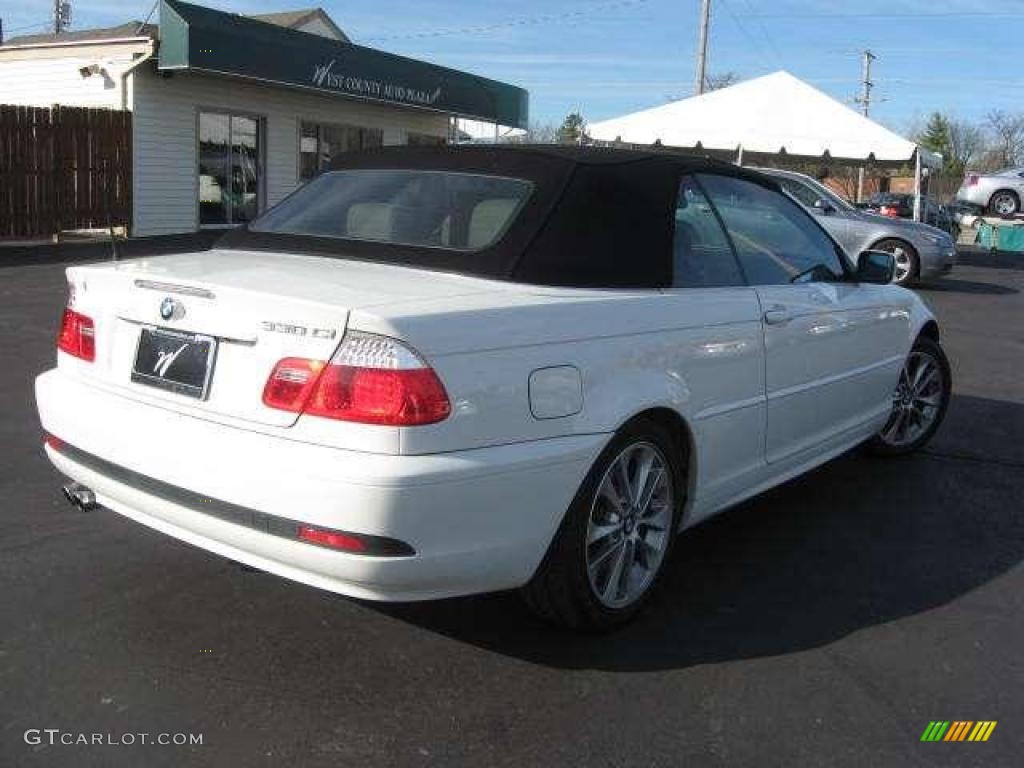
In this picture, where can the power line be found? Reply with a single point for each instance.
(924, 15)
(764, 32)
(144, 22)
(923, 51)
(754, 43)
(522, 21)
(29, 26)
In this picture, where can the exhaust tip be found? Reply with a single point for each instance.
(80, 497)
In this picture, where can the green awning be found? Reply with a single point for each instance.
(201, 39)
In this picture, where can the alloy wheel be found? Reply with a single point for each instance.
(917, 401)
(628, 528)
(904, 264)
(1004, 204)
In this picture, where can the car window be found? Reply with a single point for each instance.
(801, 192)
(439, 209)
(701, 254)
(776, 240)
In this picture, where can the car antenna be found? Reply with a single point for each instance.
(106, 207)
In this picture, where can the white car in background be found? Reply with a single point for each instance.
(999, 193)
(433, 372)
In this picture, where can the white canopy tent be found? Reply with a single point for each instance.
(775, 115)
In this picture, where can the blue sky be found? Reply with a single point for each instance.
(609, 57)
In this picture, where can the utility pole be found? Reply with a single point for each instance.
(702, 47)
(865, 98)
(865, 103)
(61, 16)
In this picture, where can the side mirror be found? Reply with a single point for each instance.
(877, 267)
(824, 206)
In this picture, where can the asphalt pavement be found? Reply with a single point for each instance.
(824, 623)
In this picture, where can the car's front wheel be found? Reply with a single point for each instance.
(919, 402)
(1004, 203)
(612, 545)
(905, 258)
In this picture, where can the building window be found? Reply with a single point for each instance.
(320, 143)
(230, 168)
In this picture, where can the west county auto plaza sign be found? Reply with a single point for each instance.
(331, 76)
(194, 38)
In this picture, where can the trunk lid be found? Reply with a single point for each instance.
(234, 314)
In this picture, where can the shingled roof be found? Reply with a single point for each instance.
(290, 19)
(121, 31)
(295, 19)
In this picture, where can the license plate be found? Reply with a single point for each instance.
(175, 361)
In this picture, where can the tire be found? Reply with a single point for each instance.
(907, 263)
(1004, 202)
(574, 586)
(918, 405)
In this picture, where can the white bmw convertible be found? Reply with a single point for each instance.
(433, 372)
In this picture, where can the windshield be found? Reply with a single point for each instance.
(435, 209)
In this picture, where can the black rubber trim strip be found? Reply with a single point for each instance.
(376, 546)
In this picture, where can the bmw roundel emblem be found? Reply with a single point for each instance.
(171, 309)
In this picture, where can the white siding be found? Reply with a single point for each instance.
(43, 82)
(165, 176)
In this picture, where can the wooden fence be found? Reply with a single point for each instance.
(63, 168)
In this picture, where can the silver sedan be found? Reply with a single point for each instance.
(998, 193)
(921, 251)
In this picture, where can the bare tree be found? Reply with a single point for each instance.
(966, 143)
(540, 133)
(716, 81)
(1008, 134)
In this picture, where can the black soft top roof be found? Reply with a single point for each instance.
(597, 217)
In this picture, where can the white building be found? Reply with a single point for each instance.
(231, 113)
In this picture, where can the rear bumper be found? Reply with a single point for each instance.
(975, 195)
(477, 520)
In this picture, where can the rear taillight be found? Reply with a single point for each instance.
(371, 379)
(972, 179)
(77, 335)
(890, 211)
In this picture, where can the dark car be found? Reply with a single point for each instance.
(899, 205)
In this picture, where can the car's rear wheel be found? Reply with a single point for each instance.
(1004, 203)
(611, 548)
(905, 257)
(919, 402)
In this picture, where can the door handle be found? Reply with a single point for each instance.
(777, 315)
